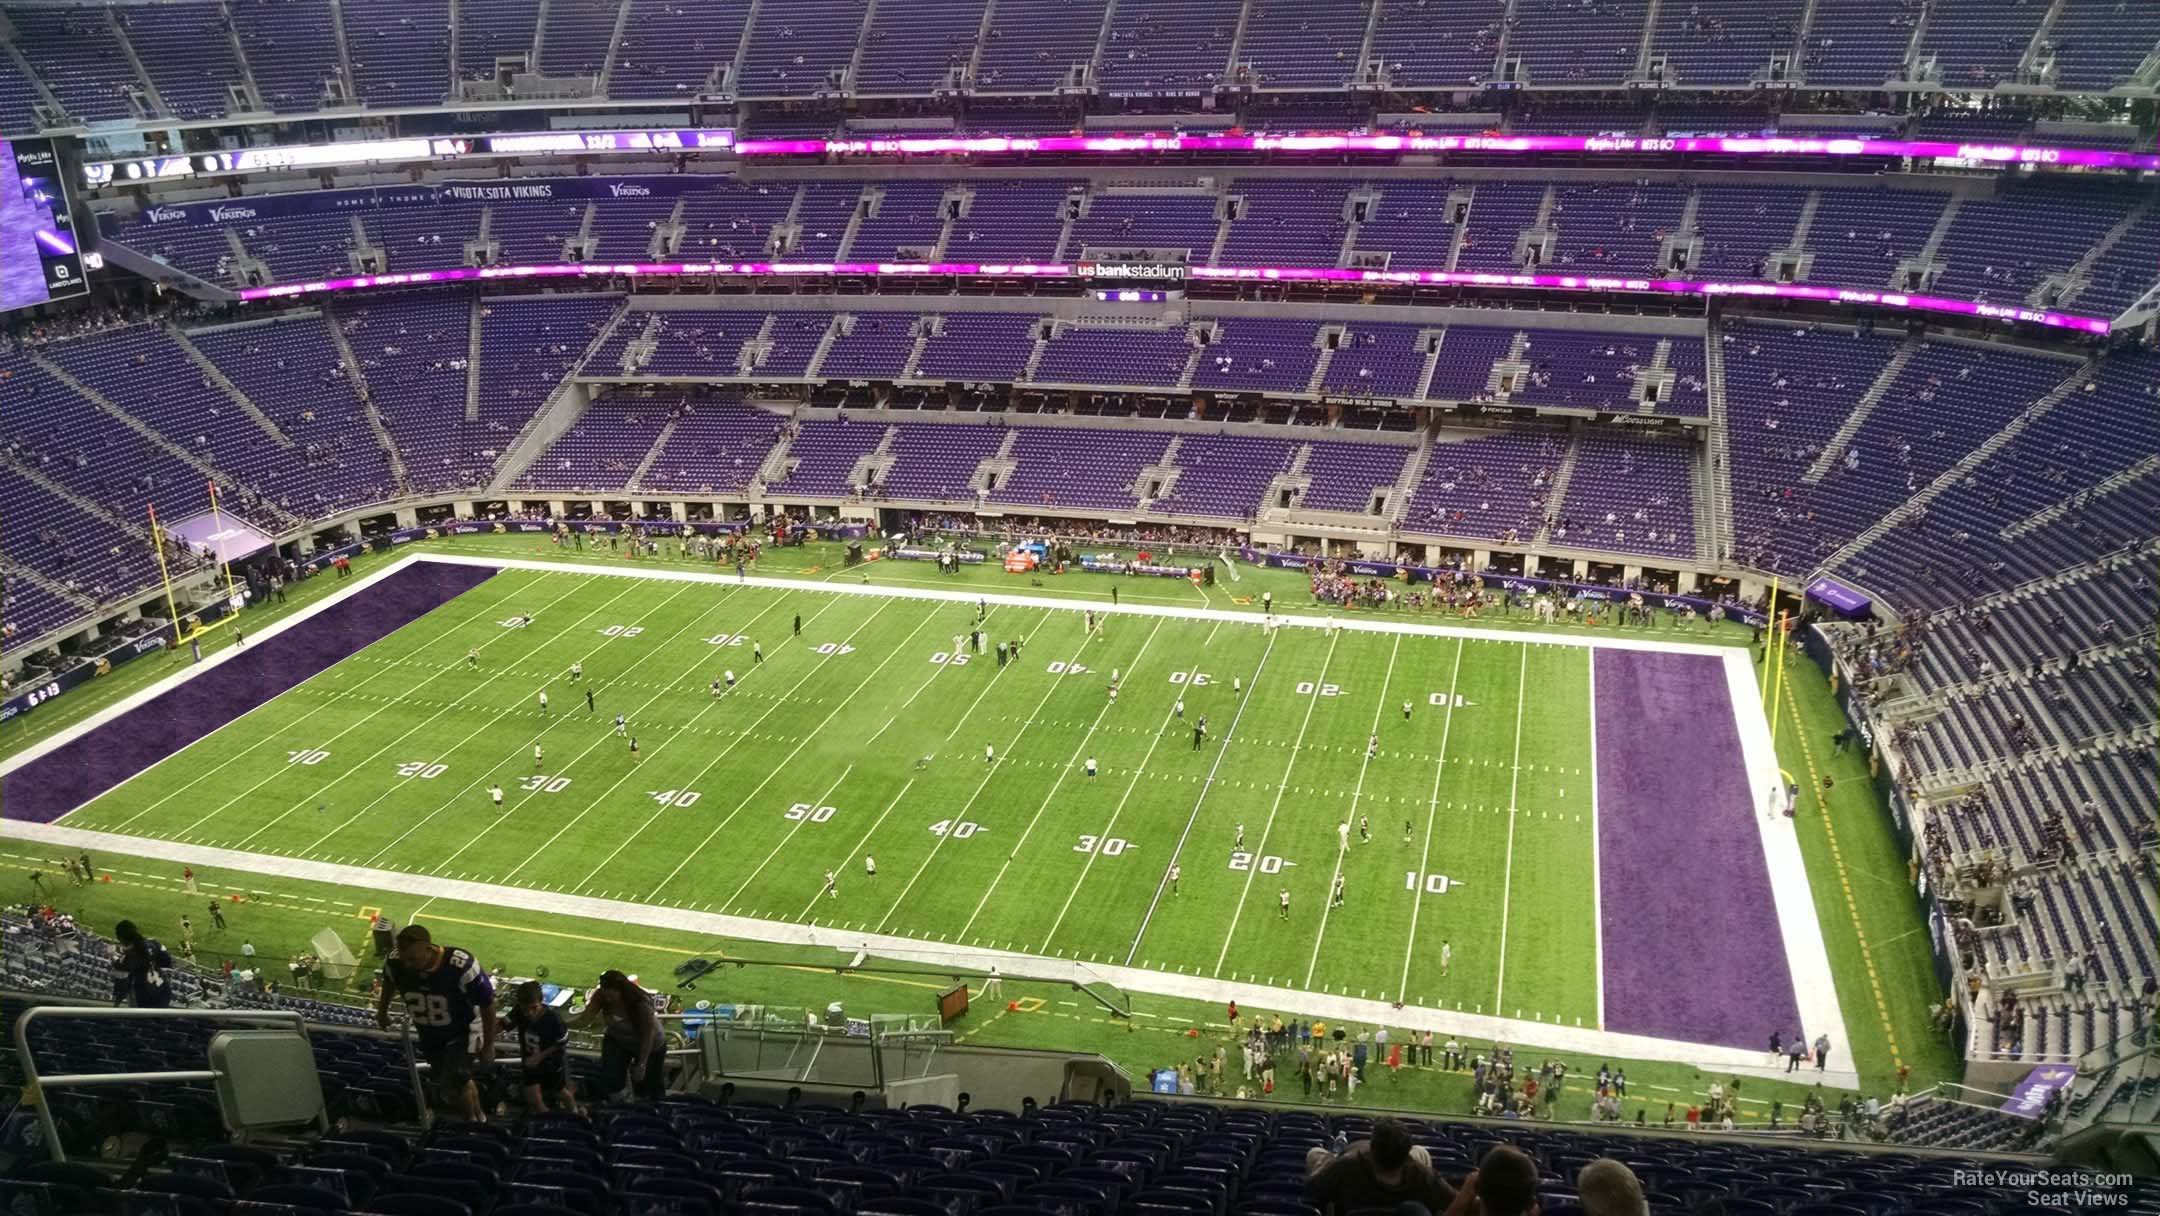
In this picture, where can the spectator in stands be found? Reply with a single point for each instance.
(1505, 1183)
(633, 1053)
(1607, 1188)
(543, 1050)
(139, 969)
(1386, 1169)
(445, 991)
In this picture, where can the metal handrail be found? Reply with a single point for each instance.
(36, 1086)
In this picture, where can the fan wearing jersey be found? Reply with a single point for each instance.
(442, 987)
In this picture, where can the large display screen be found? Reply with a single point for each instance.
(39, 260)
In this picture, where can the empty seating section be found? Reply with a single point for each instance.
(625, 227)
(1578, 41)
(574, 40)
(670, 49)
(1859, 42)
(76, 551)
(1288, 43)
(1499, 214)
(1346, 476)
(1296, 223)
(74, 52)
(186, 51)
(1741, 226)
(142, 371)
(1787, 390)
(400, 50)
(979, 347)
(291, 49)
(527, 346)
(909, 216)
(1996, 253)
(1010, 221)
(1630, 494)
(1689, 396)
(1859, 236)
(424, 238)
(1119, 355)
(1724, 41)
(1223, 476)
(1067, 467)
(1584, 371)
(1615, 228)
(704, 342)
(534, 234)
(1034, 45)
(1950, 397)
(1976, 43)
(413, 355)
(675, 48)
(1170, 46)
(733, 220)
(1413, 223)
(821, 456)
(876, 347)
(18, 108)
(492, 29)
(1485, 487)
(2123, 274)
(793, 340)
(604, 448)
(1438, 43)
(1380, 360)
(62, 436)
(1998, 250)
(289, 369)
(822, 219)
(936, 462)
(715, 447)
(1956, 552)
(1258, 355)
(1467, 354)
(914, 48)
(1150, 220)
(1562, 116)
(2098, 44)
(32, 611)
(800, 49)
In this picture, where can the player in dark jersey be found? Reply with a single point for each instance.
(443, 987)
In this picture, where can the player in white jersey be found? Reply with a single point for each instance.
(536, 755)
(543, 700)
(622, 727)
(1342, 834)
(577, 671)
(495, 793)
(1175, 873)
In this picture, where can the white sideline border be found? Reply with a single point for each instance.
(1806, 956)
(1801, 933)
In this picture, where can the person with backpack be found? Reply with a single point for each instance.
(139, 969)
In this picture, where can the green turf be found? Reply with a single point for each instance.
(814, 762)
(1881, 912)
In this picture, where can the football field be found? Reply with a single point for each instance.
(1448, 781)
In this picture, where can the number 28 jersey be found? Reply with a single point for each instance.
(441, 1002)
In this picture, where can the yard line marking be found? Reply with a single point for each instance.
(801, 743)
(555, 720)
(283, 730)
(320, 794)
(985, 784)
(1342, 849)
(1597, 882)
(1282, 787)
(751, 877)
(1223, 750)
(1432, 816)
(849, 860)
(1507, 869)
(710, 703)
(1130, 785)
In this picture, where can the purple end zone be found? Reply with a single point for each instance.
(69, 776)
(1692, 946)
